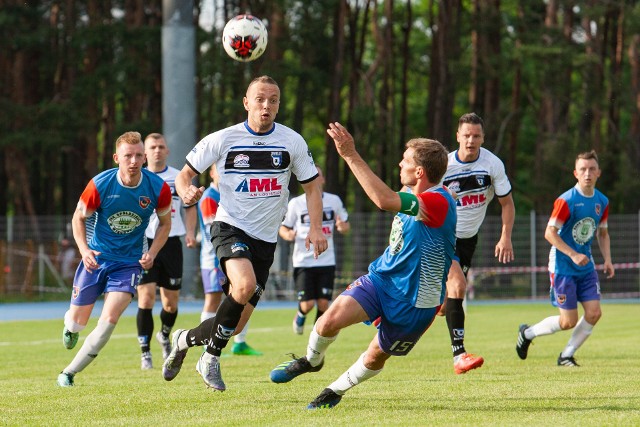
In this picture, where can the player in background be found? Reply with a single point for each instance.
(578, 215)
(120, 202)
(166, 272)
(313, 277)
(405, 286)
(213, 279)
(475, 175)
(255, 160)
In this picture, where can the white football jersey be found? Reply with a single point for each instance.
(254, 171)
(475, 184)
(297, 218)
(177, 223)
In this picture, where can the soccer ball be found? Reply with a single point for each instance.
(244, 38)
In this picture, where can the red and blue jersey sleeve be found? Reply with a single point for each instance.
(208, 209)
(433, 208)
(560, 214)
(89, 199)
(164, 200)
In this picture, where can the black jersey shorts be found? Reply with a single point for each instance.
(167, 267)
(232, 242)
(465, 248)
(314, 282)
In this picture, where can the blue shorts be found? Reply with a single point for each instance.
(212, 280)
(401, 324)
(567, 291)
(110, 276)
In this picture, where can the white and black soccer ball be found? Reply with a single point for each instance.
(244, 38)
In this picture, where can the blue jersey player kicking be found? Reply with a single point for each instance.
(405, 286)
(578, 215)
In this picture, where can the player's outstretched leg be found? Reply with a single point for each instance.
(286, 371)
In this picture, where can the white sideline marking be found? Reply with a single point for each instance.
(119, 337)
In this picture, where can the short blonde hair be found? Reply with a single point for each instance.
(130, 137)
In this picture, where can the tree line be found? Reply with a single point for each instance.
(550, 78)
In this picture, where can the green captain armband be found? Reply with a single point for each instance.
(409, 203)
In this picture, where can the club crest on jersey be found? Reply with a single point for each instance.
(124, 222)
(241, 161)
(144, 202)
(598, 208)
(480, 180)
(276, 158)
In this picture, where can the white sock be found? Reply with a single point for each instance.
(242, 336)
(207, 315)
(547, 326)
(95, 341)
(182, 341)
(317, 347)
(580, 334)
(70, 324)
(353, 376)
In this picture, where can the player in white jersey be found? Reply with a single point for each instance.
(254, 160)
(405, 286)
(475, 175)
(313, 277)
(166, 272)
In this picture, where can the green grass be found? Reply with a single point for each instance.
(420, 389)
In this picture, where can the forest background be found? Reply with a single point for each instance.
(550, 78)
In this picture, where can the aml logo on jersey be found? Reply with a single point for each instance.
(124, 222)
(260, 187)
(241, 161)
(471, 200)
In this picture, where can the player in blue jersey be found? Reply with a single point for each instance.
(255, 160)
(405, 286)
(578, 215)
(108, 226)
(213, 279)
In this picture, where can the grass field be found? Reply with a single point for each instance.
(418, 390)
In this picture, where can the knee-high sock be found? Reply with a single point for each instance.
(547, 326)
(215, 332)
(144, 320)
(581, 332)
(353, 376)
(71, 325)
(455, 322)
(168, 319)
(317, 347)
(95, 341)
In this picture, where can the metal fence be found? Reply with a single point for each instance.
(30, 262)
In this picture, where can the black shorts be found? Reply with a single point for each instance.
(314, 282)
(465, 249)
(167, 267)
(232, 242)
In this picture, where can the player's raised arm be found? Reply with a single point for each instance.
(379, 193)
